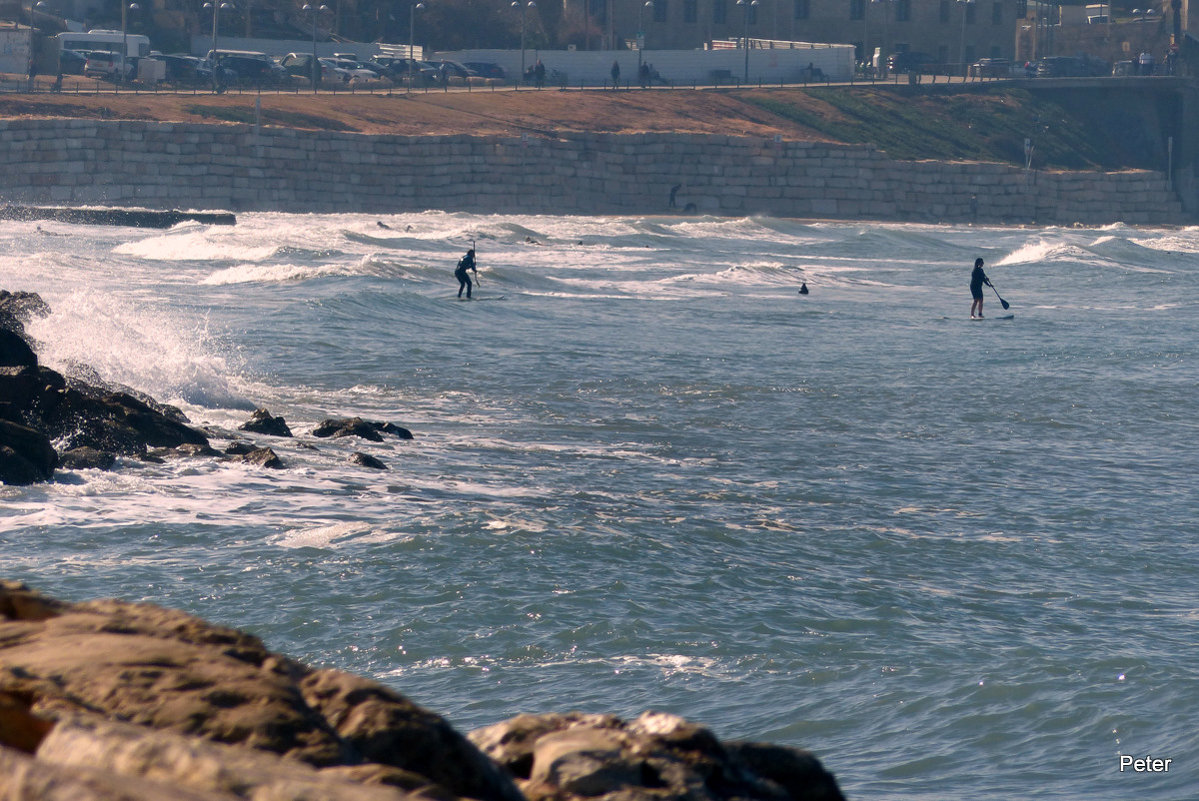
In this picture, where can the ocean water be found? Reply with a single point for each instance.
(955, 559)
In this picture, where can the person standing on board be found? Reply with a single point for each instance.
(977, 279)
(467, 262)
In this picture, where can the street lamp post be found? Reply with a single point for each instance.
(523, 7)
(745, 6)
(216, 7)
(125, 37)
(316, 65)
(966, 6)
(412, 38)
(641, 32)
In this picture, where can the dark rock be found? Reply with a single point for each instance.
(15, 351)
(261, 422)
(239, 448)
(657, 756)
(26, 455)
(261, 457)
(356, 426)
(366, 460)
(117, 422)
(23, 306)
(86, 458)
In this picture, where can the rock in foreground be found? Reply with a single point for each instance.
(111, 700)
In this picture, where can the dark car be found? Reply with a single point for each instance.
(185, 70)
(452, 72)
(71, 62)
(1061, 67)
(251, 69)
(487, 69)
(908, 61)
(991, 68)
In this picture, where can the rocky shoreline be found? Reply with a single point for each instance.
(49, 420)
(113, 701)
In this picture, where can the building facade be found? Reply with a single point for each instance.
(951, 31)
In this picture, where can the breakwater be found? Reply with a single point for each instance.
(251, 167)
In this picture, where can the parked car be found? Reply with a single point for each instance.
(107, 66)
(451, 72)
(346, 71)
(185, 70)
(908, 61)
(991, 68)
(71, 62)
(423, 74)
(299, 66)
(486, 69)
(250, 68)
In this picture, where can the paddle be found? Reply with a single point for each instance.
(478, 283)
(1002, 302)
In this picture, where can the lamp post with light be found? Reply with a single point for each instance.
(641, 31)
(523, 6)
(745, 6)
(314, 9)
(125, 37)
(216, 7)
(966, 5)
(412, 38)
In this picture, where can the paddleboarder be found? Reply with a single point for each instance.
(977, 279)
(467, 262)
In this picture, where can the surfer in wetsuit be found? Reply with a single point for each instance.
(977, 279)
(467, 262)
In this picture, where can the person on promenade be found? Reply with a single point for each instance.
(467, 262)
(539, 74)
(977, 279)
(615, 74)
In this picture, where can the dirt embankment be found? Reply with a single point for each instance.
(481, 112)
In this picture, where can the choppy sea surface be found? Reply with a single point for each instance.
(955, 559)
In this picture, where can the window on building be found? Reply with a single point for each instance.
(857, 9)
(720, 12)
(690, 10)
(997, 13)
(802, 8)
(660, 10)
(971, 16)
(944, 11)
(903, 10)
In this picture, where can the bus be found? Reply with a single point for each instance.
(134, 44)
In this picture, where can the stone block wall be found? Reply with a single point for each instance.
(247, 168)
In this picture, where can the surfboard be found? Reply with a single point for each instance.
(1001, 317)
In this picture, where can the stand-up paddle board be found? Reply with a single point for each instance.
(1001, 317)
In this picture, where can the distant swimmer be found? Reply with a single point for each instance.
(467, 262)
(977, 279)
(382, 224)
(803, 288)
(531, 241)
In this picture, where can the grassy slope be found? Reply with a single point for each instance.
(985, 124)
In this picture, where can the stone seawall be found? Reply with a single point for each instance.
(247, 168)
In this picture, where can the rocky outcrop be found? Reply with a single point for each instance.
(40, 406)
(357, 427)
(366, 460)
(108, 701)
(263, 422)
(158, 670)
(657, 757)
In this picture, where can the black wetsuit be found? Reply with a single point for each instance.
(977, 279)
(467, 262)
